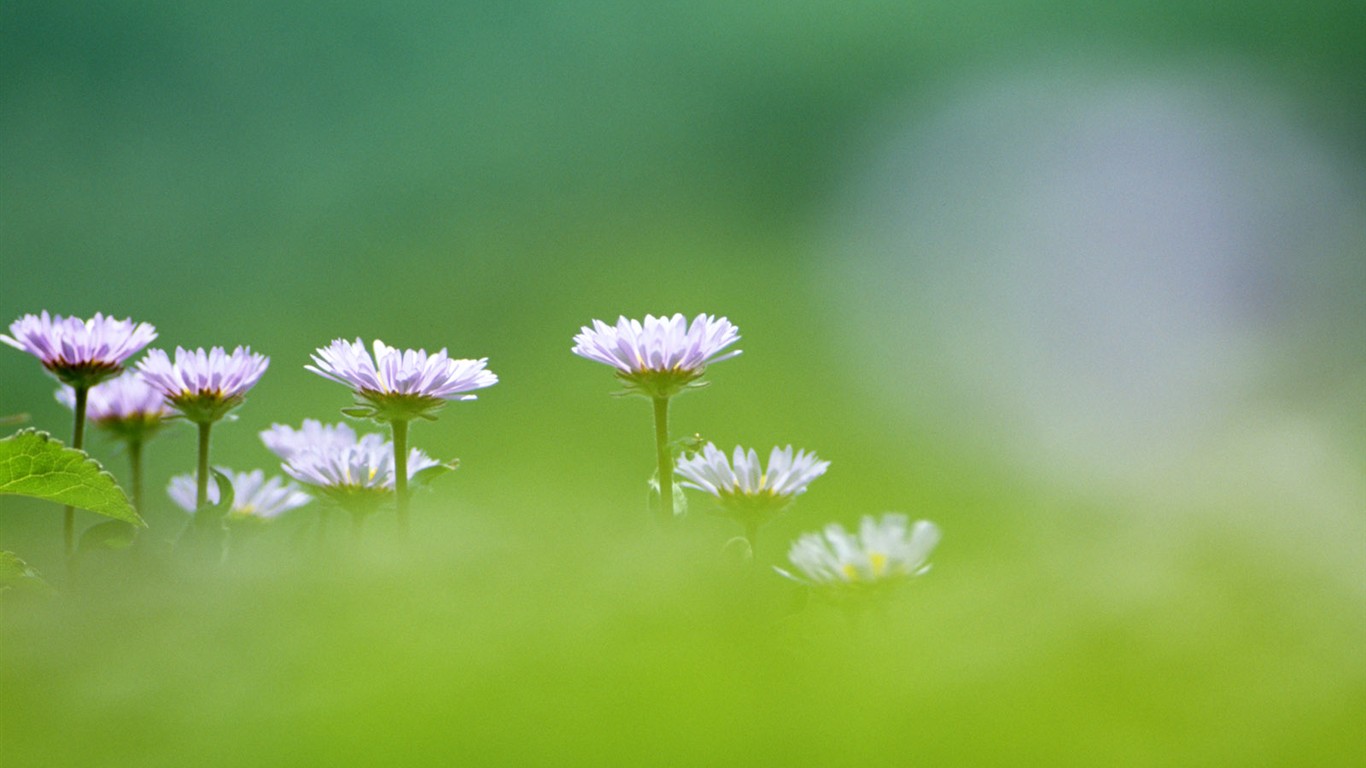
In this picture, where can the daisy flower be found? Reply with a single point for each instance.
(661, 356)
(397, 386)
(202, 385)
(884, 551)
(80, 353)
(253, 496)
(746, 489)
(356, 473)
(126, 406)
(400, 384)
(285, 441)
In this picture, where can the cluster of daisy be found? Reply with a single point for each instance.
(203, 387)
(657, 358)
(661, 357)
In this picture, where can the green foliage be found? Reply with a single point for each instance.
(20, 576)
(111, 534)
(34, 464)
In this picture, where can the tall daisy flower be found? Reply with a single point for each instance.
(204, 387)
(129, 409)
(79, 353)
(659, 358)
(253, 495)
(396, 386)
(884, 551)
(356, 473)
(746, 490)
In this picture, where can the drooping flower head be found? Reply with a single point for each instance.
(884, 551)
(126, 406)
(79, 352)
(399, 384)
(357, 473)
(661, 356)
(745, 488)
(253, 496)
(204, 386)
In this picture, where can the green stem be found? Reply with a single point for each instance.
(752, 536)
(400, 430)
(201, 496)
(135, 471)
(666, 460)
(77, 442)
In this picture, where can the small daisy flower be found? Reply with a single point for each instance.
(253, 496)
(400, 384)
(80, 353)
(884, 551)
(204, 386)
(661, 356)
(357, 473)
(745, 489)
(285, 441)
(126, 406)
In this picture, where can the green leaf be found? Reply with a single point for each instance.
(17, 574)
(35, 464)
(225, 496)
(111, 534)
(423, 478)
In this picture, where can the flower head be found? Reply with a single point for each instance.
(253, 496)
(126, 406)
(661, 356)
(744, 487)
(79, 352)
(883, 551)
(400, 384)
(285, 441)
(204, 386)
(358, 473)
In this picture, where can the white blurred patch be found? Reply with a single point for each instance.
(1099, 274)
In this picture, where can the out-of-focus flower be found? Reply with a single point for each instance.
(79, 352)
(126, 406)
(253, 496)
(204, 386)
(400, 384)
(744, 488)
(285, 441)
(340, 467)
(660, 356)
(883, 551)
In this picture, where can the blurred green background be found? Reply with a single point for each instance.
(1082, 284)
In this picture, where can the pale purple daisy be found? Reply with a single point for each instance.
(662, 355)
(253, 496)
(123, 405)
(204, 386)
(882, 552)
(744, 486)
(400, 383)
(79, 352)
(285, 441)
(357, 474)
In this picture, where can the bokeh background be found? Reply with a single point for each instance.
(1081, 283)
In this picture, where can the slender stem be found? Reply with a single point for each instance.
(666, 460)
(201, 496)
(752, 536)
(77, 442)
(400, 429)
(135, 471)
